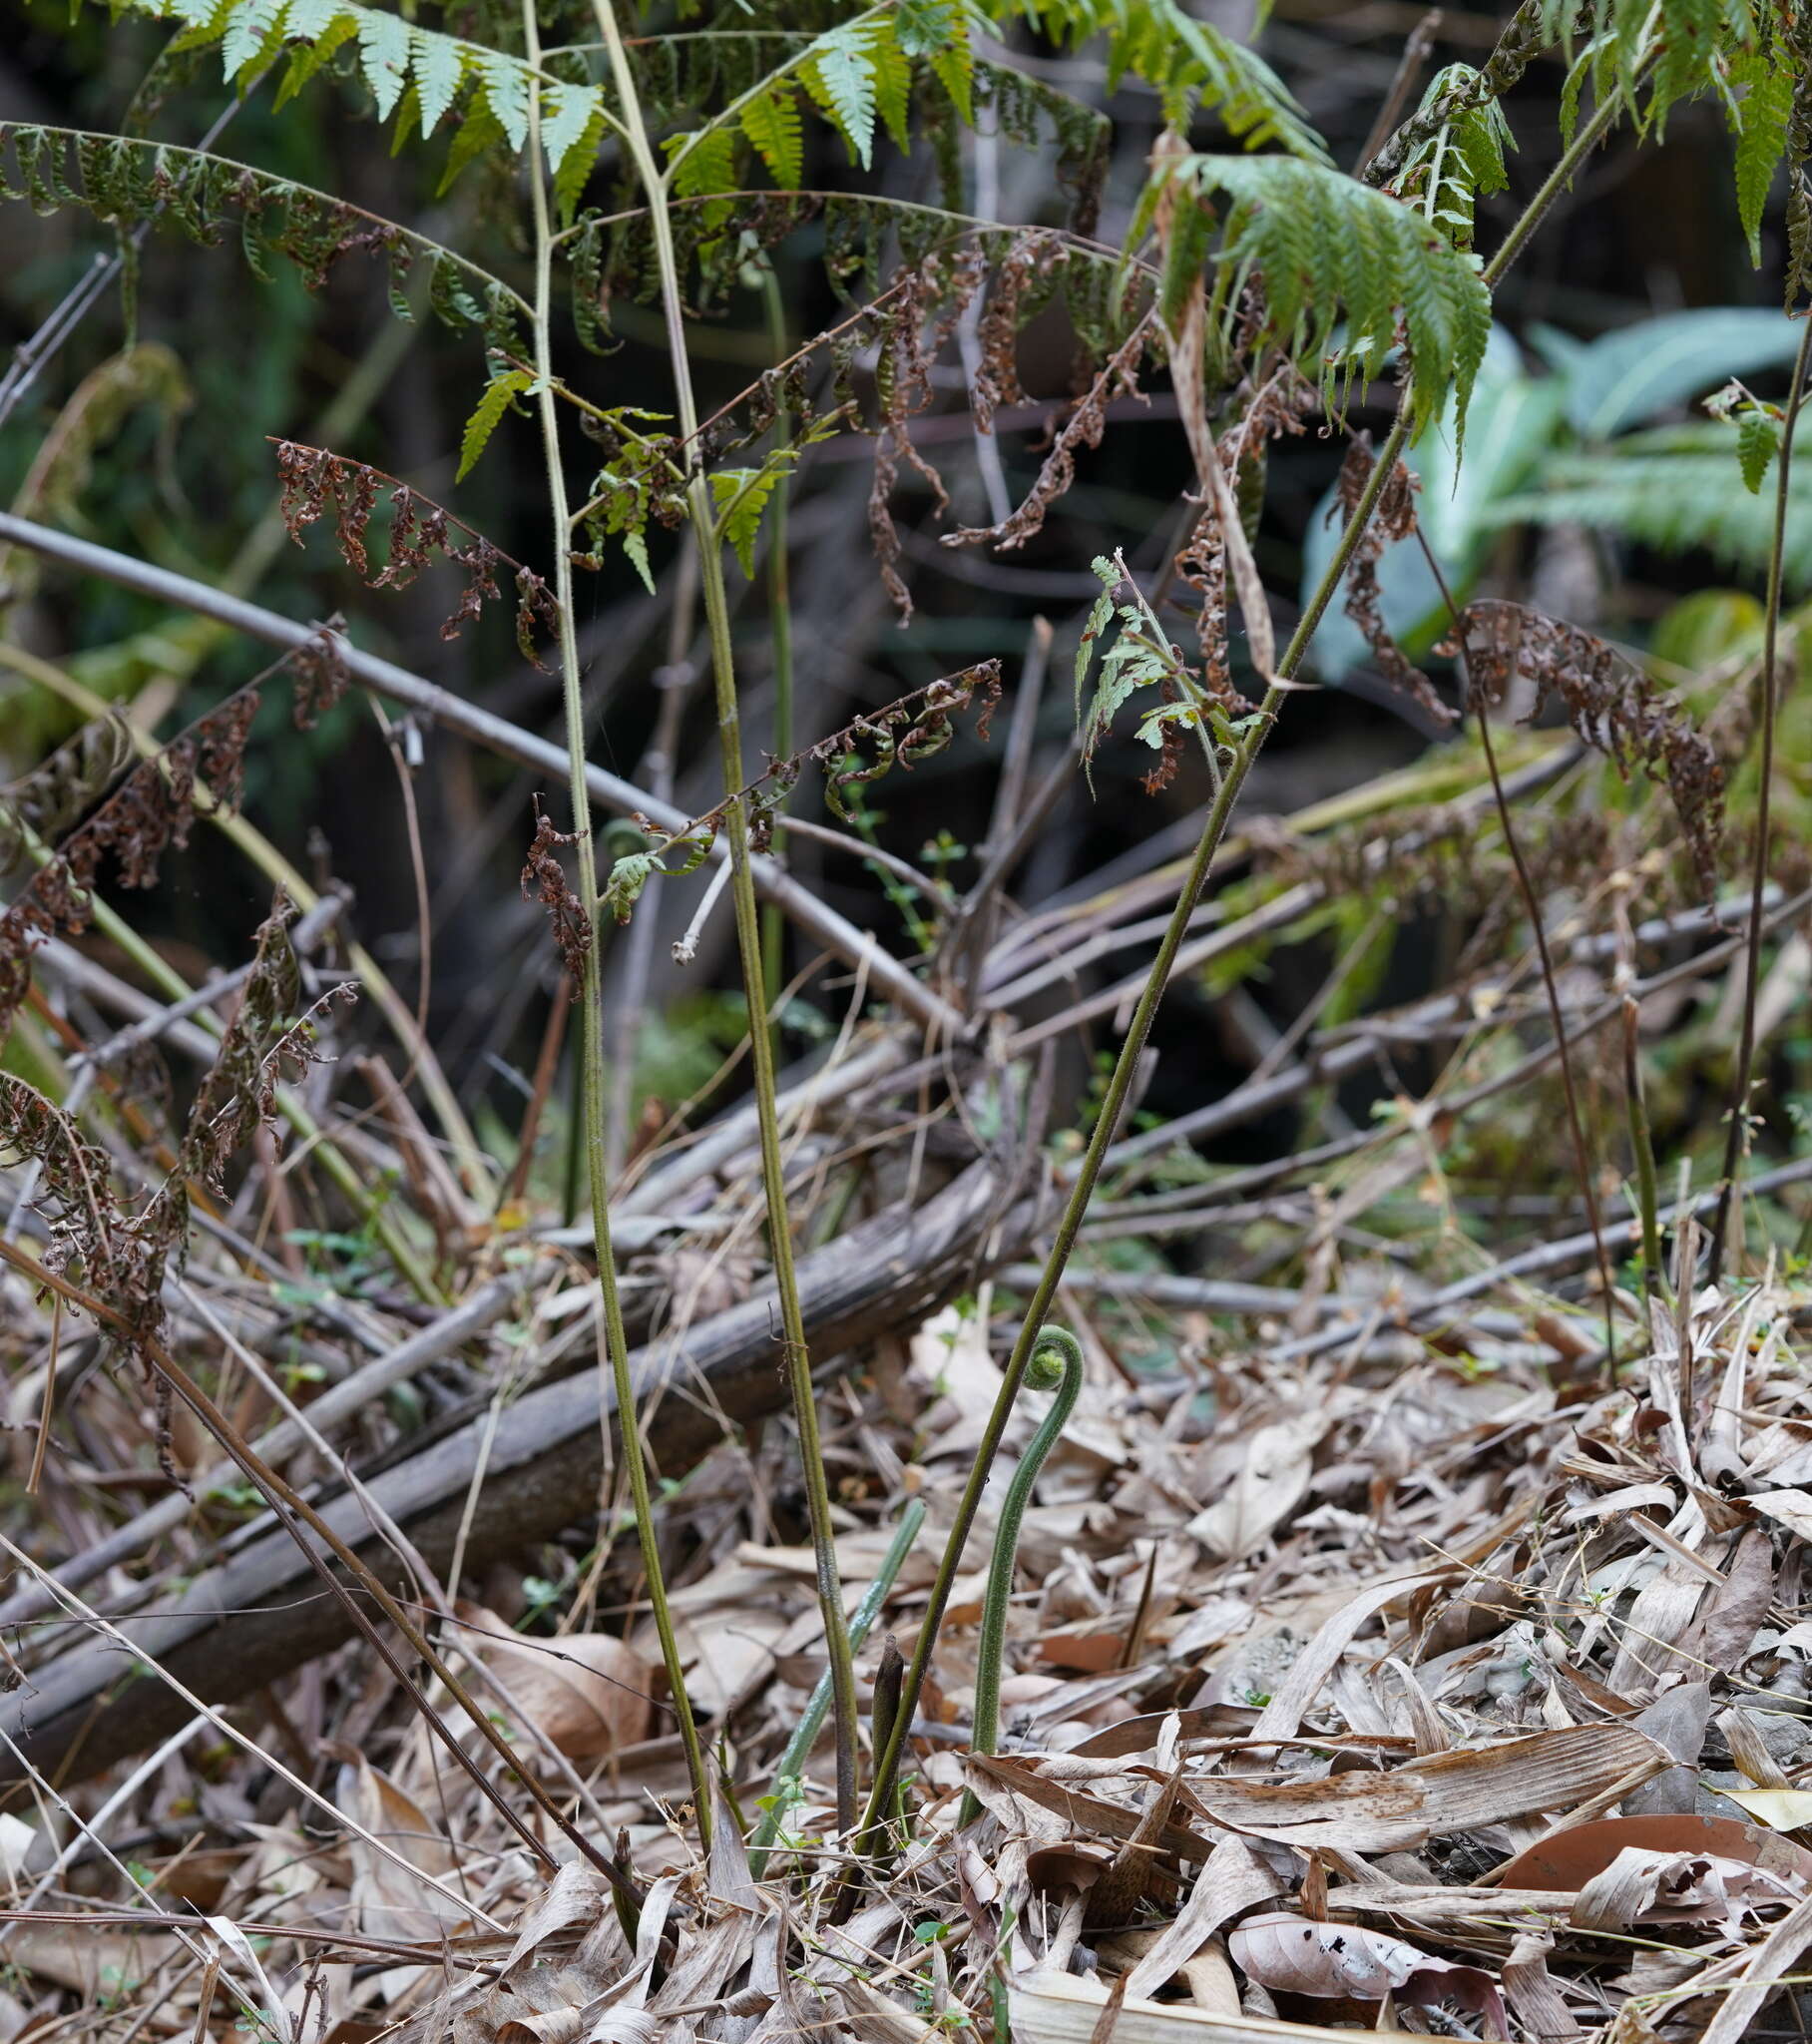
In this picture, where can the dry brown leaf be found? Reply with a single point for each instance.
(386, 1902)
(1456, 1791)
(1058, 2008)
(1571, 1858)
(1291, 1954)
(587, 1693)
(1086, 1651)
(1272, 1478)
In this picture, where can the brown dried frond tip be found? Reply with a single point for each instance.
(315, 479)
(1393, 519)
(1611, 704)
(544, 879)
(152, 810)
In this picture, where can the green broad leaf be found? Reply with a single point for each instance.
(570, 114)
(1764, 113)
(476, 135)
(1631, 376)
(496, 398)
(741, 496)
(771, 124)
(383, 50)
(437, 76)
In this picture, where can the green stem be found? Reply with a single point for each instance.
(1119, 1085)
(805, 1734)
(1132, 1048)
(591, 1035)
(1041, 1374)
(797, 1357)
(780, 625)
(1734, 1143)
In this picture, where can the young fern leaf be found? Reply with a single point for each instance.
(498, 396)
(1329, 248)
(1445, 174)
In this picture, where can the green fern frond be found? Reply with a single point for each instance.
(1445, 174)
(499, 396)
(418, 71)
(1667, 49)
(1762, 119)
(125, 181)
(839, 73)
(772, 123)
(1191, 62)
(1678, 491)
(1327, 247)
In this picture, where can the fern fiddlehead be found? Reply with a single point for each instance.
(1057, 1363)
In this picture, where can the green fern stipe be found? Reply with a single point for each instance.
(1057, 1363)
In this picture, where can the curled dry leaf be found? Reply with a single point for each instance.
(1290, 1954)
(1571, 1859)
(587, 1693)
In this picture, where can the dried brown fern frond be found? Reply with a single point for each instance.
(1393, 520)
(151, 811)
(1611, 704)
(544, 874)
(1087, 423)
(315, 482)
(43, 804)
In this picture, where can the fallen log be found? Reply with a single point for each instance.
(261, 1613)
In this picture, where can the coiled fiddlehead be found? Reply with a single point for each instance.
(1057, 1363)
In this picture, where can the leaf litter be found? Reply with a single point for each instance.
(1470, 1701)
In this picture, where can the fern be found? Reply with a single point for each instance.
(1327, 247)
(498, 397)
(741, 496)
(772, 123)
(1678, 491)
(419, 71)
(1191, 62)
(1762, 119)
(1461, 160)
(127, 182)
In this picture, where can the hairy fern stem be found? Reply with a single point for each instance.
(593, 1105)
(797, 1357)
(1057, 1365)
